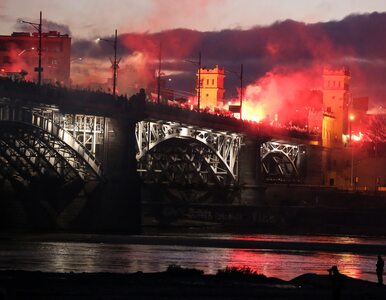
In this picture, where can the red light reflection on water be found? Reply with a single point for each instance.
(287, 265)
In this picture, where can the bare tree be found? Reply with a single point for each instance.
(376, 131)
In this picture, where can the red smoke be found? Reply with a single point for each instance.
(278, 96)
(18, 62)
(280, 60)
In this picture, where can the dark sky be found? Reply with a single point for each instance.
(283, 48)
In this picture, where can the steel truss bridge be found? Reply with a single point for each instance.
(36, 149)
(281, 161)
(41, 142)
(172, 152)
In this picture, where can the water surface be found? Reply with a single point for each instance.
(75, 256)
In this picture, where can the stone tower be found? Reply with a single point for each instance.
(211, 87)
(336, 97)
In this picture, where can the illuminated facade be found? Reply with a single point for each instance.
(211, 87)
(335, 105)
(19, 56)
(336, 157)
(346, 163)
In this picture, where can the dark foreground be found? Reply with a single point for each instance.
(177, 285)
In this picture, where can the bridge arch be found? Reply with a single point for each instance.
(219, 150)
(27, 153)
(33, 146)
(279, 161)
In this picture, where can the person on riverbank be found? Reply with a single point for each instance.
(380, 265)
(337, 282)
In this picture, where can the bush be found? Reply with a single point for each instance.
(177, 270)
(238, 272)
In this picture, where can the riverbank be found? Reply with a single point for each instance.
(176, 285)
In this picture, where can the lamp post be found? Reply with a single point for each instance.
(113, 43)
(351, 119)
(38, 27)
(159, 74)
(199, 82)
(198, 86)
(241, 87)
(241, 91)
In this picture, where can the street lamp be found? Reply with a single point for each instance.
(113, 43)
(351, 119)
(199, 79)
(38, 27)
(241, 88)
(199, 82)
(76, 59)
(159, 75)
(25, 50)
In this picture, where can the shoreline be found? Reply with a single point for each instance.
(176, 285)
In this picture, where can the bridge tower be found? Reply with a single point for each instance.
(211, 87)
(336, 97)
(335, 104)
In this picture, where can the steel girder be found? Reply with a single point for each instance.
(279, 161)
(33, 152)
(87, 129)
(46, 144)
(219, 150)
(89, 168)
(177, 162)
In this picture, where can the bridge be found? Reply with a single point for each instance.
(71, 156)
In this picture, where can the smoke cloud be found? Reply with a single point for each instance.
(287, 55)
(47, 25)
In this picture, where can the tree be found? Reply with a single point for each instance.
(376, 132)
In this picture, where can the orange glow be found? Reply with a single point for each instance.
(273, 98)
(357, 137)
(253, 111)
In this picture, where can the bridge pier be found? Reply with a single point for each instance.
(251, 181)
(115, 206)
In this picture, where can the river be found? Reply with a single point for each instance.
(121, 254)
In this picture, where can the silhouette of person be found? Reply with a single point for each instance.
(380, 265)
(142, 95)
(337, 282)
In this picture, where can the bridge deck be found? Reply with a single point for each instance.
(102, 104)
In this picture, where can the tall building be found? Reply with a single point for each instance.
(211, 87)
(336, 97)
(19, 56)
